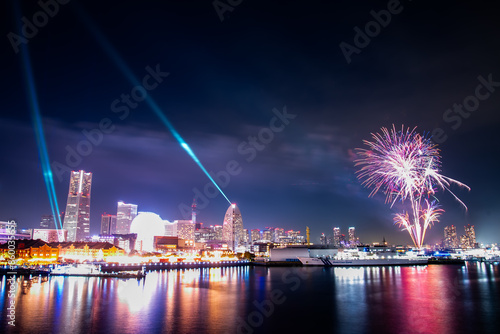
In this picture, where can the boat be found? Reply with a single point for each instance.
(90, 270)
(395, 261)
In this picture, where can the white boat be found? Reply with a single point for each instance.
(396, 261)
(76, 269)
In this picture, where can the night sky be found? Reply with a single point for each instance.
(225, 79)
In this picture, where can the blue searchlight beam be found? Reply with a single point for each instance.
(37, 125)
(118, 60)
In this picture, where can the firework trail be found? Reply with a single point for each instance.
(405, 166)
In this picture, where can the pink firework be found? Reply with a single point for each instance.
(405, 165)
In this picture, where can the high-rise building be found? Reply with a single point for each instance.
(125, 213)
(185, 229)
(246, 237)
(336, 236)
(471, 235)
(204, 234)
(218, 232)
(294, 236)
(255, 235)
(267, 235)
(352, 237)
(322, 239)
(232, 229)
(278, 234)
(108, 224)
(170, 228)
(450, 237)
(77, 217)
(47, 221)
(464, 241)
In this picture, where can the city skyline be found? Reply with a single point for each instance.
(277, 130)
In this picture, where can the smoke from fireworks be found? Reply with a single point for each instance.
(405, 165)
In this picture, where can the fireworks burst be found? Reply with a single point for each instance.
(405, 165)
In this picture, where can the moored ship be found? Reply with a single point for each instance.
(386, 261)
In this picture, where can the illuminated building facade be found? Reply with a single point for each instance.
(255, 235)
(31, 251)
(294, 237)
(278, 234)
(86, 250)
(246, 237)
(218, 232)
(464, 241)
(267, 235)
(50, 235)
(204, 234)
(47, 221)
(185, 229)
(108, 224)
(471, 235)
(450, 237)
(337, 236)
(232, 229)
(352, 237)
(77, 216)
(170, 228)
(125, 214)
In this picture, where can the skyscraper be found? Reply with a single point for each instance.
(450, 237)
(278, 234)
(185, 229)
(352, 237)
(471, 235)
(267, 235)
(232, 229)
(125, 213)
(47, 221)
(336, 236)
(255, 235)
(170, 228)
(77, 217)
(218, 232)
(108, 224)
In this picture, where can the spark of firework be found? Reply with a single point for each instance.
(406, 166)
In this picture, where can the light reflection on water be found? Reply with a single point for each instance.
(419, 299)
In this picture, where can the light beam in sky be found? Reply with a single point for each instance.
(118, 61)
(38, 126)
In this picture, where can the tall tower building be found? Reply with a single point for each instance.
(352, 237)
(77, 217)
(108, 224)
(471, 235)
(47, 221)
(125, 213)
(232, 229)
(278, 234)
(336, 236)
(185, 229)
(255, 235)
(218, 232)
(450, 237)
